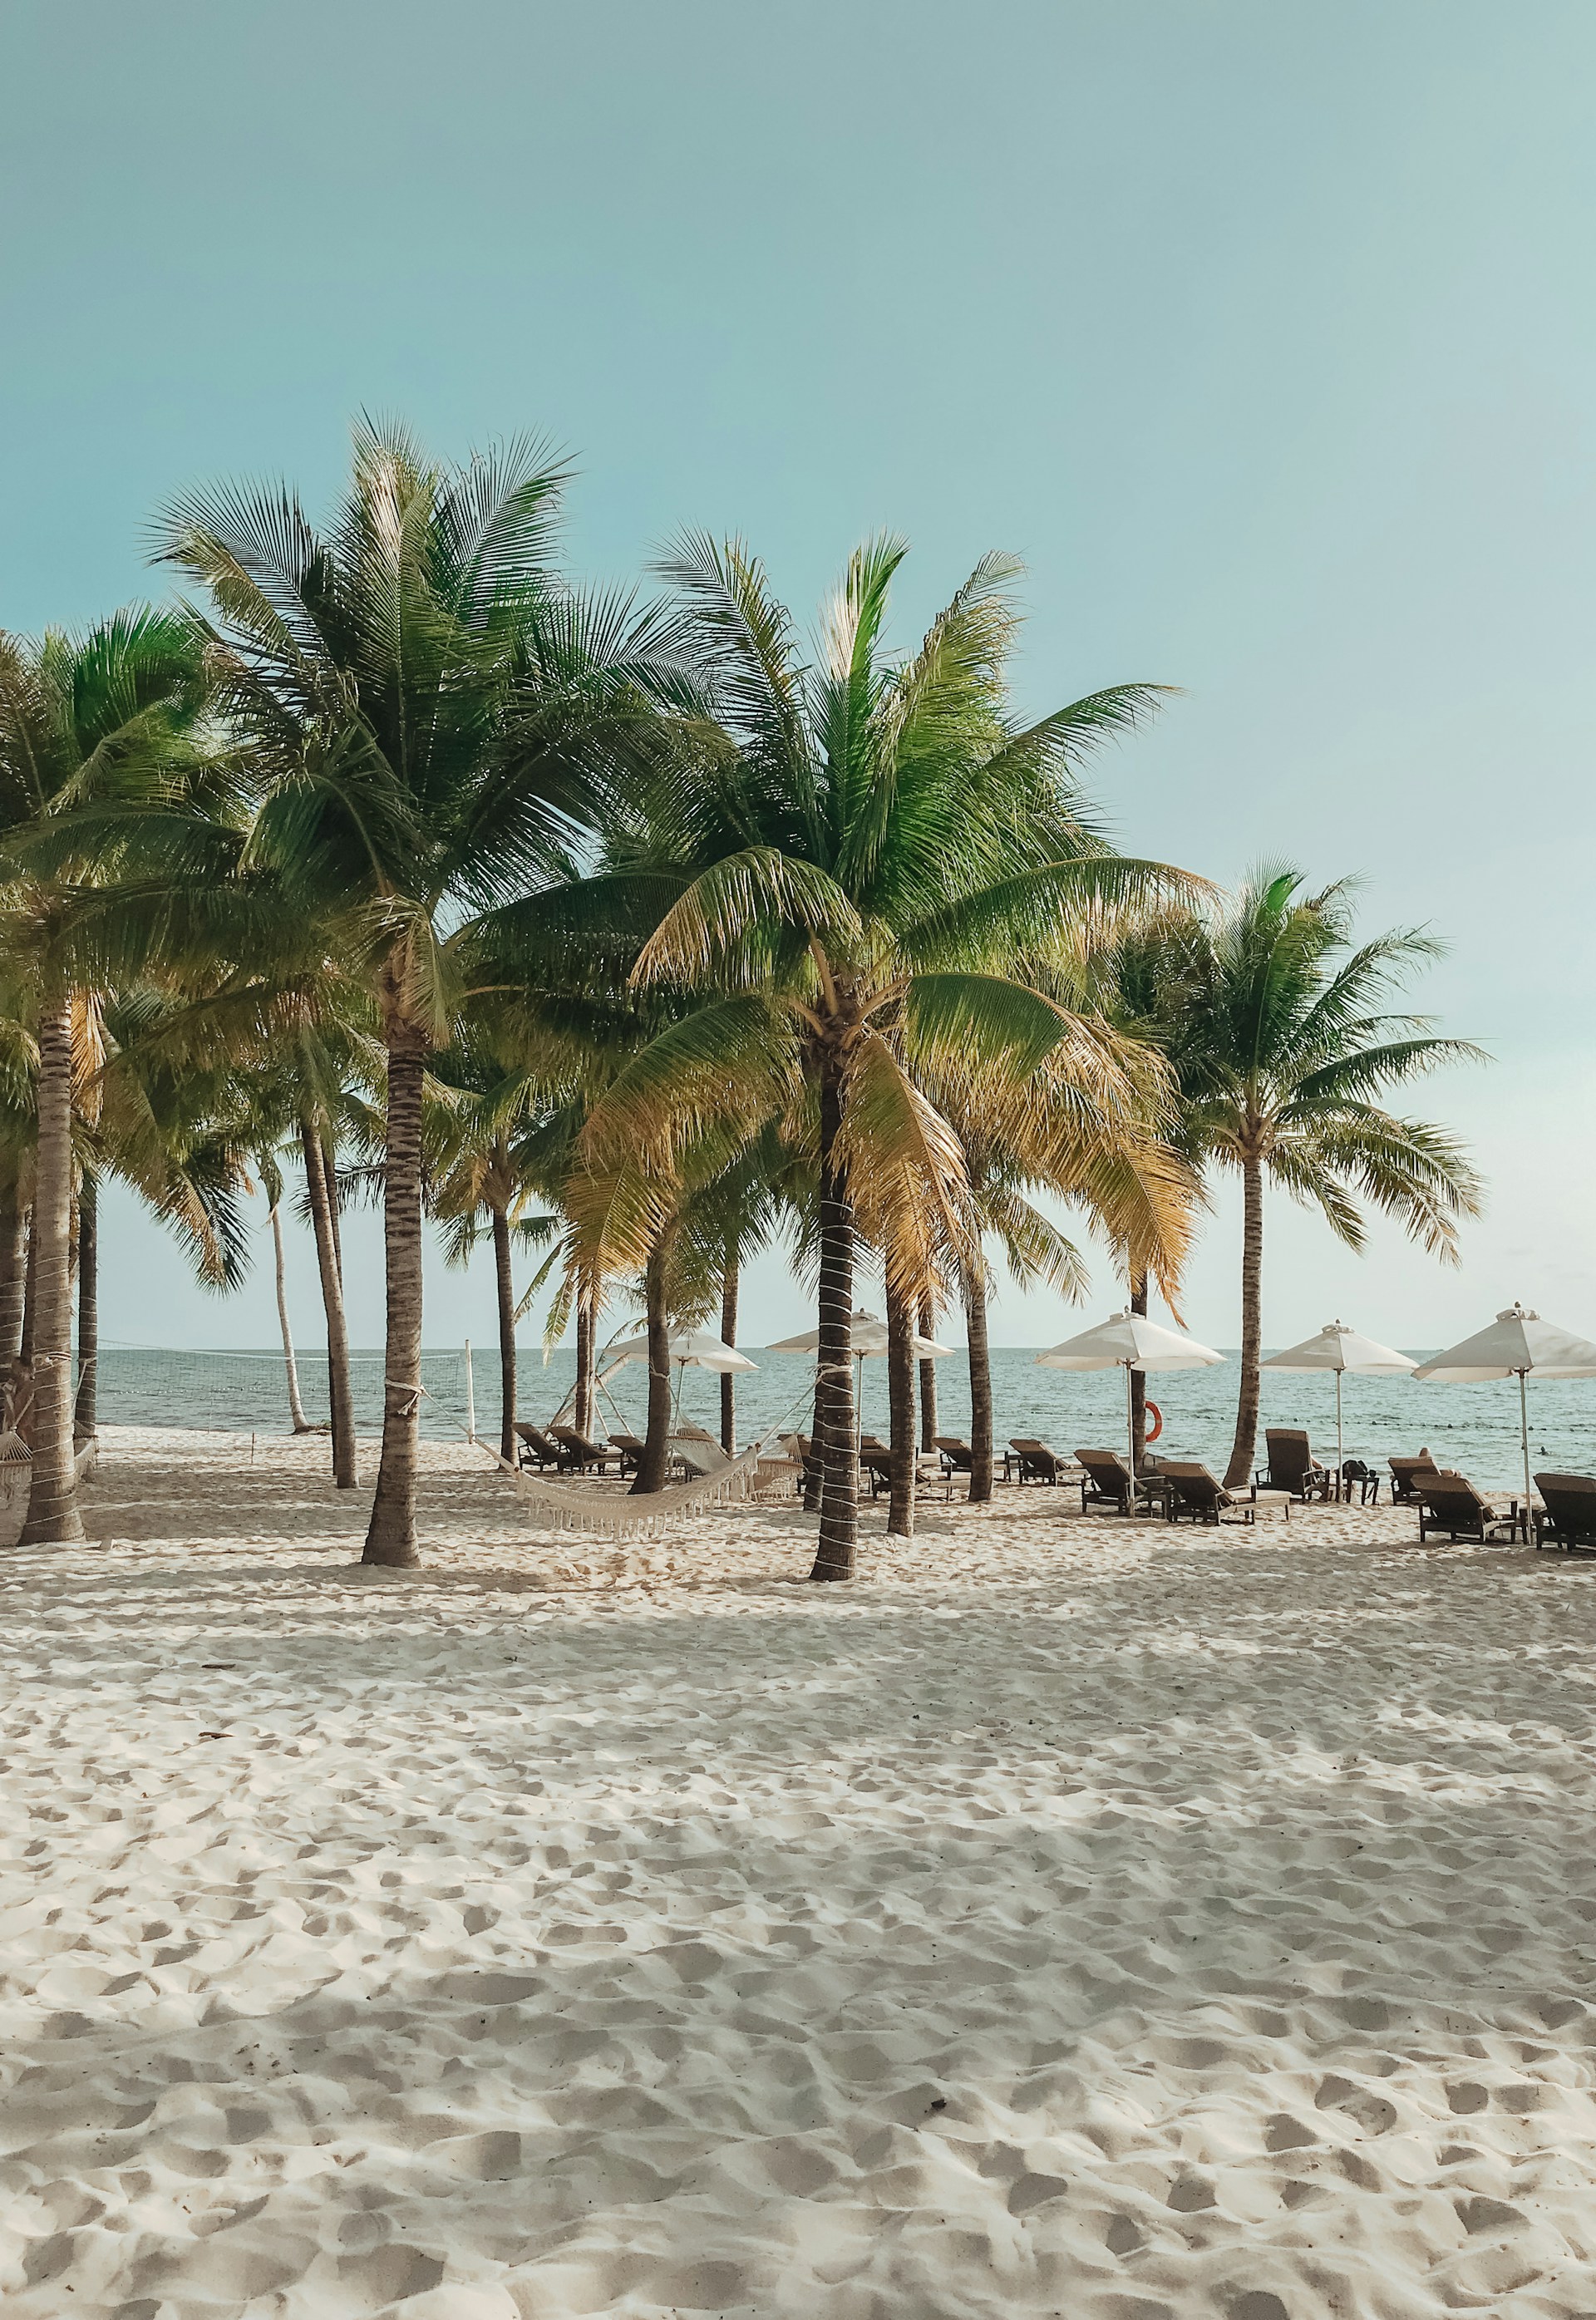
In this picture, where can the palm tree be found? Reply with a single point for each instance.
(1277, 1026)
(423, 703)
(847, 859)
(84, 719)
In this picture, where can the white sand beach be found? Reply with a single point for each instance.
(1066, 1919)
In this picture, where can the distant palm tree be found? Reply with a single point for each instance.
(1275, 1024)
(423, 700)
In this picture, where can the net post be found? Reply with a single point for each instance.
(470, 1398)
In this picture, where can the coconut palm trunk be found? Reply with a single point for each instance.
(52, 1501)
(1139, 1379)
(390, 1536)
(29, 1298)
(14, 1271)
(86, 1403)
(319, 1185)
(1240, 1467)
(586, 1318)
(834, 1421)
(929, 1424)
(728, 1338)
(297, 1418)
(506, 1290)
(899, 1388)
(980, 1385)
(654, 1466)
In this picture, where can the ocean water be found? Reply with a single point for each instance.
(1473, 1427)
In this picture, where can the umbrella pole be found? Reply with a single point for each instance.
(1131, 1433)
(1340, 1454)
(676, 1416)
(1524, 1438)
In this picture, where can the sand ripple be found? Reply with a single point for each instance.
(1067, 1921)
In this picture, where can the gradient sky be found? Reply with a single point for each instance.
(1264, 334)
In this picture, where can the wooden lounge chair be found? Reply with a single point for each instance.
(533, 1448)
(1292, 1466)
(876, 1460)
(632, 1447)
(1451, 1505)
(1404, 1487)
(579, 1456)
(1568, 1518)
(956, 1456)
(1108, 1483)
(1194, 1495)
(1035, 1462)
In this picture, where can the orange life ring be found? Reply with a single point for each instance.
(1155, 1421)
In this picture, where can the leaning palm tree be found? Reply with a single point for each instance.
(1277, 1026)
(426, 708)
(85, 720)
(841, 870)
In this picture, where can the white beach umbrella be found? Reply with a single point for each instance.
(690, 1349)
(1515, 1343)
(1130, 1341)
(693, 1348)
(1337, 1347)
(869, 1339)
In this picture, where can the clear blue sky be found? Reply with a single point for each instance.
(1264, 334)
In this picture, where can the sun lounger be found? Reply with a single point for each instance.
(1107, 1483)
(875, 1463)
(533, 1448)
(957, 1457)
(1035, 1462)
(632, 1447)
(1194, 1495)
(1404, 1487)
(1568, 1518)
(1292, 1465)
(1451, 1505)
(579, 1456)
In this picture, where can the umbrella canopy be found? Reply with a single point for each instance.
(693, 1348)
(1129, 1341)
(1515, 1344)
(1132, 1340)
(1337, 1347)
(869, 1339)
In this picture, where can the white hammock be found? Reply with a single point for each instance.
(566, 1506)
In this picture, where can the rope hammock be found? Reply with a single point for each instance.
(581, 1508)
(578, 1506)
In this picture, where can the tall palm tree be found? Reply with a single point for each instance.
(846, 860)
(1277, 1026)
(101, 717)
(423, 703)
